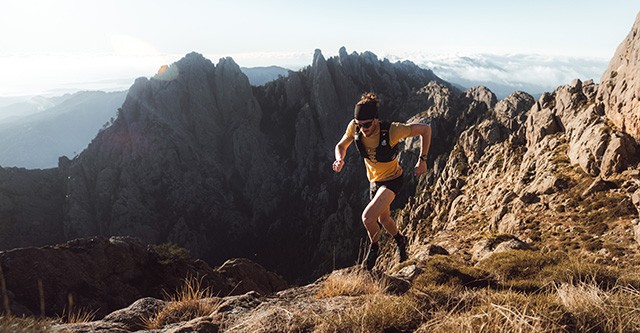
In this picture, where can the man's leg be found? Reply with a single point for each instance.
(374, 210)
(378, 205)
(390, 225)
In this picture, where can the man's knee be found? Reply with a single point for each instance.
(368, 219)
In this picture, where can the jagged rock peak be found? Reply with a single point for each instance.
(318, 57)
(482, 94)
(228, 63)
(194, 59)
(620, 84)
(369, 57)
(342, 53)
(510, 111)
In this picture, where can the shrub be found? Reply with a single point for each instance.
(170, 253)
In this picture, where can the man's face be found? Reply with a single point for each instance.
(368, 127)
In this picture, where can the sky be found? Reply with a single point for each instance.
(49, 47)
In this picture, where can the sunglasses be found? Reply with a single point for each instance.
(365, 125)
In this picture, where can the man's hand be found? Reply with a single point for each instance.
(337, 165)
(421, 168)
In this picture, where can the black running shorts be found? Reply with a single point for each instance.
(394, 185)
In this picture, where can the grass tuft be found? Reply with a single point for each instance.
(190, 301)
(351, 283)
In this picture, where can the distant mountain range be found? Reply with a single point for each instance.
(260, 75)
(34, 133)
(31, 138)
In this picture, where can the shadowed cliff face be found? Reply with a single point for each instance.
(30, 207)
(198, 157)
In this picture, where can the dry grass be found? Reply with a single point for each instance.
(190, 301)
(577, 270)
(79, 315)
(378, 313)
(24, 325)
(351, 283)
(570, 308)
(453, 297)
(597, 310)
(446, 270)
(73, 315)
(502, 312)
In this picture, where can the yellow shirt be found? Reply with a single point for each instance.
(380, 171)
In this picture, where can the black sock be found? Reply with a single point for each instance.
(399, 238)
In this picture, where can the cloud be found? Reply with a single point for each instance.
(505, 73)
(547, 72)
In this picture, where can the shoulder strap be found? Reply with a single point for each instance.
(384, 133)
(359, 145)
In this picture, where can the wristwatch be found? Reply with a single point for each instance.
(423, 158)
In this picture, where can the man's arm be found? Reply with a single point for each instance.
(424, 131)
(340, 152)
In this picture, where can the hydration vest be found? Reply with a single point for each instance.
(384, 151)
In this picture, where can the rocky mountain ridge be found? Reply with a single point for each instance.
(199, 157)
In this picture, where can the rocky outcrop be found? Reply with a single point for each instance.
(526, 172)
(245, 275)
(619, 89)
(466, 127)
(592, 143)
(103, 275)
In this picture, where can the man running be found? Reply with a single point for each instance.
(376, 141)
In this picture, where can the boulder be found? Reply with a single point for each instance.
(246, 275)
(133, 317)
